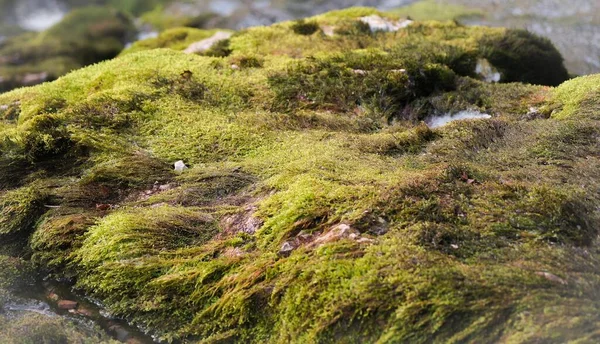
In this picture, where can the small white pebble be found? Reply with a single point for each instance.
(180, 166)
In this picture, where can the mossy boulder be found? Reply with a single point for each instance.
(317, 207)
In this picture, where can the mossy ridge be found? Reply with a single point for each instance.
(464, 229)
(514, 51)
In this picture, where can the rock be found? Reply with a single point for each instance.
(551, 277)
(341, 231)
(377, 23)
(303, 236)
(119, 332)
(165, 187)
(180, 166)
(31, 79)
(286, 249)
(53, 297)
(365, 241)
(328, 30)
(206, 44)
(88, 313)
(67, 304)
(534, 113)
(243, 222)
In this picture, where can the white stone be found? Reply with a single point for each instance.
(205, 44)
(328, 30)
(377, 23)
(180, 166)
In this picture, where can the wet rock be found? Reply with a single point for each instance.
(206, 44)
(67, 304)
(85, 312)
(119, 332)
(377, 23)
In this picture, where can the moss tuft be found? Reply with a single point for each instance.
(302, 27)
(524, 57)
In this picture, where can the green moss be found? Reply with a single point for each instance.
(19, 211)
(463, 233)
(302, 27)
(519, 54)
(16, 274)
(341, 83)
(576, 98)
(58, 236)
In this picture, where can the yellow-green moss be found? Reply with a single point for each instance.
(456, 234)
(576, 98)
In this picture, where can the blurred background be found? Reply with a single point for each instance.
(43, 39)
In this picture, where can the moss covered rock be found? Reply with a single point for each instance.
(318, 207)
